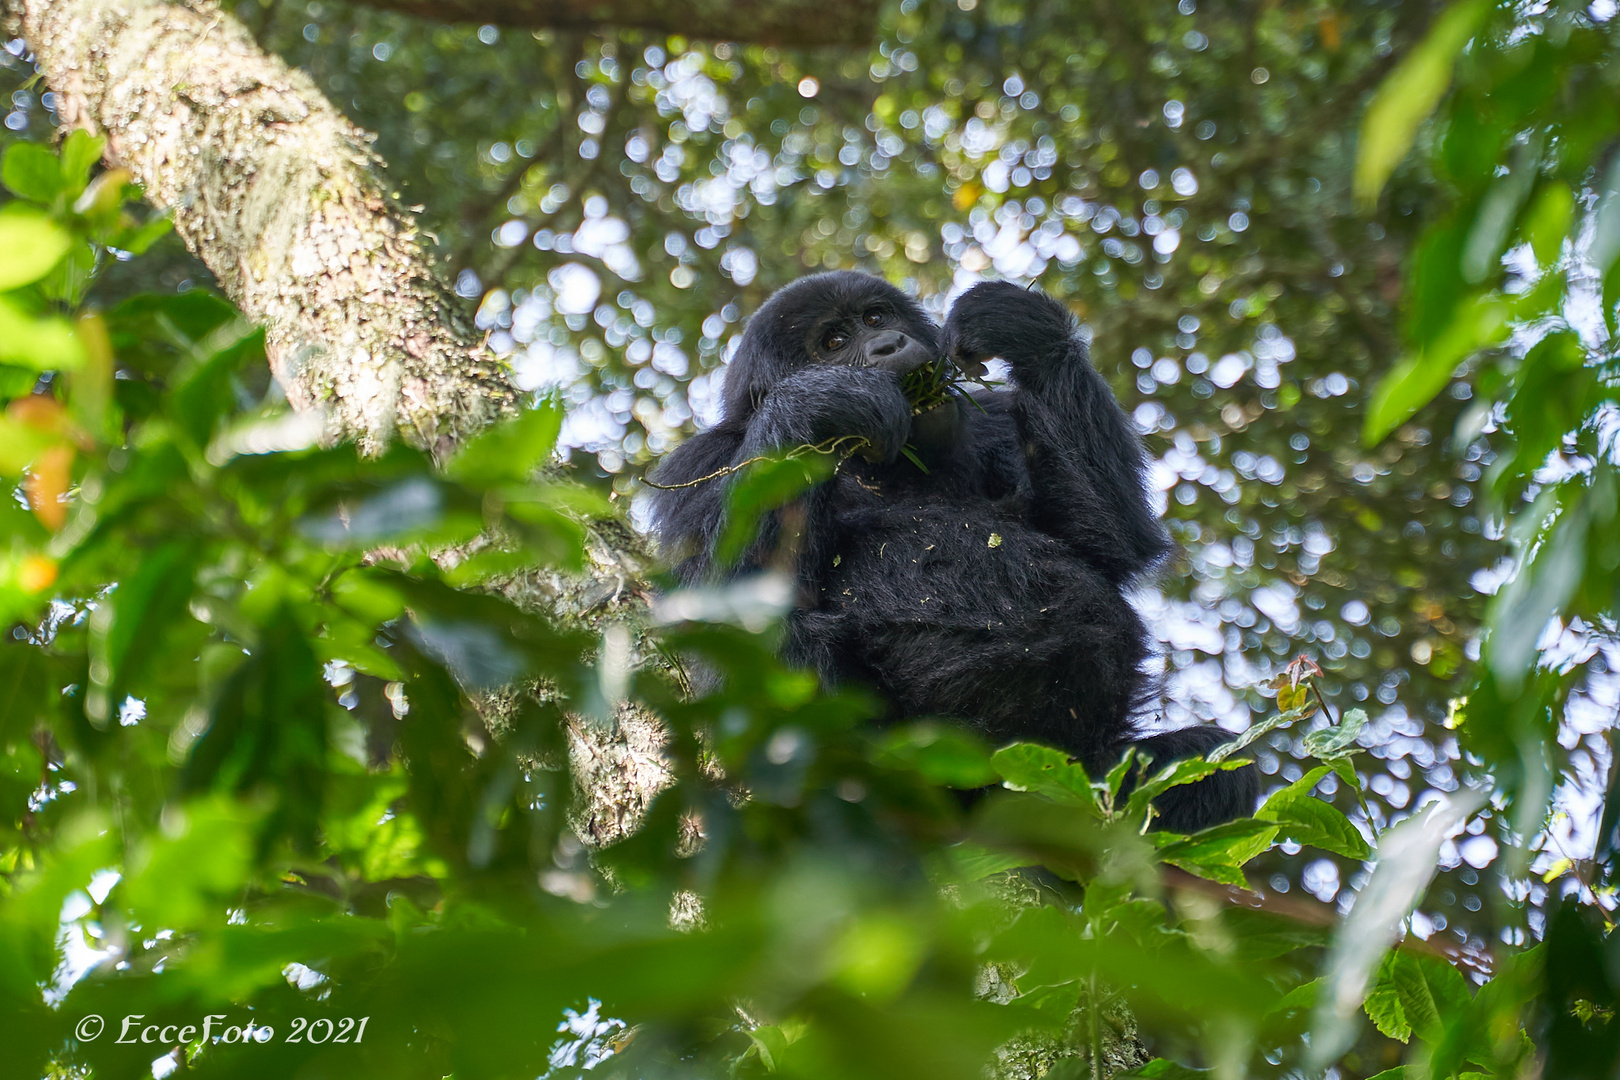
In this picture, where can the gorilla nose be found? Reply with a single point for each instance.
(896, 352)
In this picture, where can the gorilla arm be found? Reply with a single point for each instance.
(1083, 456)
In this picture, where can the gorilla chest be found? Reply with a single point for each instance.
(975, 564)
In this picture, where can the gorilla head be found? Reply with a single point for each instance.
(843, 319)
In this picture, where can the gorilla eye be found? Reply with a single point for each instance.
(873, 318)
(835, 340)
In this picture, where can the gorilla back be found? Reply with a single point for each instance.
(990, 587)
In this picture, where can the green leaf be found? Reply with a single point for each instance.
(1305, 819)
(136, 241)
(407, 508)
(1415, 995)
(32, 243)
(972, 862)
(1544, 585)
(1264, 727)
(911, 456)
(202, 857)
(1334, 741)
(1418, 380)
(1218, 853)
(32, 171)
(1547, 221)
(1383, 1008)
(128, 626)
(267, 732)
(20, 444)
(761, 488)
(80, 153)
(1493, 222)
(770, 1043)
(1165, 1069)
(1409, 94)
(38, 342)
(1045, 771)
(943, 753)
(1115, 778)
(1176, 774)
(513, 449)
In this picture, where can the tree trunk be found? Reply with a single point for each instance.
(797, 23)
(282, 199)
(285, 202)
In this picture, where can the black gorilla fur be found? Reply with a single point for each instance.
(989, 588)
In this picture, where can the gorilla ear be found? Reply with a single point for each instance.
(747, 380)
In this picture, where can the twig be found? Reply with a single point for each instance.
(1315, 914)
(830, 446)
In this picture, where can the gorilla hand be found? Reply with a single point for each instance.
(1028, 329)
(818, 404)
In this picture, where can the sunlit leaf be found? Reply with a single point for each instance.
(39, 342)
(1409, 94)
(1305, 819)
(33, 243)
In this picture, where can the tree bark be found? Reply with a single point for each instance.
(797, 23)
(282, 198)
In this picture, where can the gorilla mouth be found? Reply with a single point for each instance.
(928, 385)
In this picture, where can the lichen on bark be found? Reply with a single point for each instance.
(285, 202)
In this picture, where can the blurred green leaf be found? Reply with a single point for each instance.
(941, 753)
(1409, 95)
(33, 243)
(187, 872)
(1416, 381)
(514, 449)
(42, 343)
(1604, 247)
(128, 626)
(1165, 1069)
(1547, 222)
(81, 151)
(765, 486)
(32, 171)
(266, 735)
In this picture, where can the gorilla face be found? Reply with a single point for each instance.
(844, 319)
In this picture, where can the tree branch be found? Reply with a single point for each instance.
(283, 199)
(798, 23)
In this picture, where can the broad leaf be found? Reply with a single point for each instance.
(1305, 819)
(32, 243)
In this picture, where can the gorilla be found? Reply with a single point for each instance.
(987, 584)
